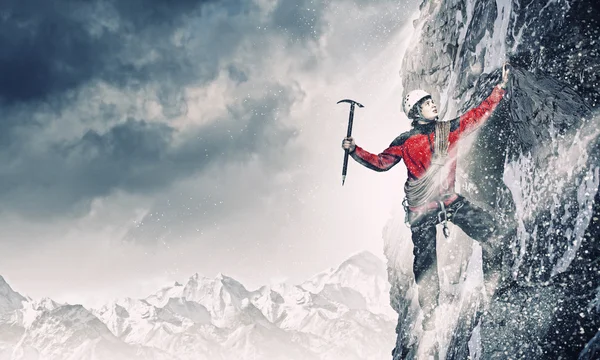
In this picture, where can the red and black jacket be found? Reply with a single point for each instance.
(416, 146)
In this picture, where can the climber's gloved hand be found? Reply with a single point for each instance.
(348, 144)
(505, 73)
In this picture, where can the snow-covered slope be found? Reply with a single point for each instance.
(11, 318)
(337, 314)
(9, 299)
(72, 332)
(360, 282)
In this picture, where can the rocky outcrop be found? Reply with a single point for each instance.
(535, 164)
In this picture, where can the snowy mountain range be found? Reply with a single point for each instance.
(341, 313)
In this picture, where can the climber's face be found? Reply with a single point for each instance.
(429, 110)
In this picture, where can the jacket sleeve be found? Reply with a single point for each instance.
(381, 162)
(474, 118)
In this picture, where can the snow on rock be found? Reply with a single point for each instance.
(9, 299)
(364, 276)
(199, 342)
(214, 291)
(534, 164)
(217, 319)
(189, 310)
(269, 301)
(254, 341)
(222, 297)
(359, 332)
(33, 309)
(12, 307)
(70, 332)
(137, 321)
(290, 306)
(161, 297)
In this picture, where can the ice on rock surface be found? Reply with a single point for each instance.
(534, 164)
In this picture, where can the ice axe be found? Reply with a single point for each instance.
(349, 133)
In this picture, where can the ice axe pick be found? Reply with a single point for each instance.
(349, 133)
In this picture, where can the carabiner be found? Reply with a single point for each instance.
(445, 221)
(446, 231)
(406, 215)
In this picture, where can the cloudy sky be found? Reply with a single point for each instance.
(144, 141)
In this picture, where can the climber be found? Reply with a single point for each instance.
(429, 151)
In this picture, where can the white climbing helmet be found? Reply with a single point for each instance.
(412, 98)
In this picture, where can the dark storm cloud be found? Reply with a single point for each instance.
(53, 50)
(49, 49)
(299, 19)
(44, 50)
(50, 46)
(139, 157)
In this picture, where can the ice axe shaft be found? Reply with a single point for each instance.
(348, 134)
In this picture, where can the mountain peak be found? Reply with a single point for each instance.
(9, 299)
(45, 303)
(4, 287)
(366, 255)
(195, 277)
(366, 261)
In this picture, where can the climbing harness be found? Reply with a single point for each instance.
(429, 187)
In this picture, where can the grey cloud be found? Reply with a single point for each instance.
(50, 51)
(139, 157)
(239, 178)
(236, 74)
(44, 50)
(49, 47)
(299, 19)
(57, 49)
